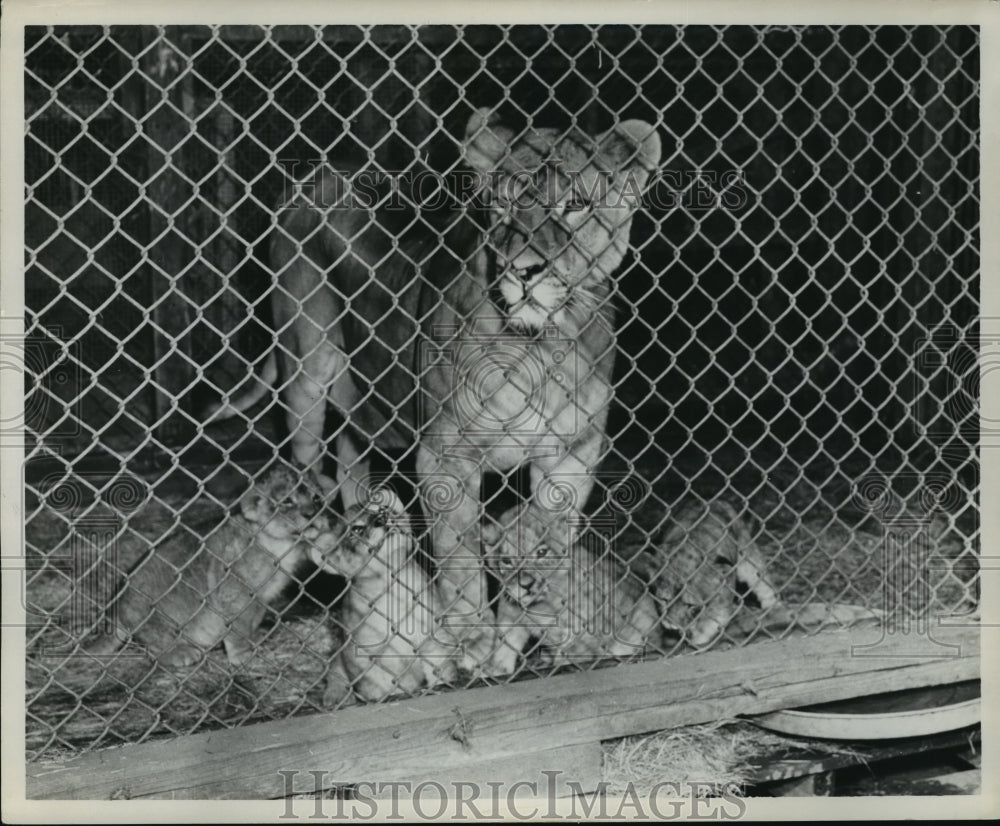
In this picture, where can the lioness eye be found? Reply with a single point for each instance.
(542, 550)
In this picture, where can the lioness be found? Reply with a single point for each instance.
(486, 336)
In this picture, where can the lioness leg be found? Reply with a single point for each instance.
(450, 496)
(303, 307)
(352, 471)
(561, 484)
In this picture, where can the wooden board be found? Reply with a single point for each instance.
(450, 731)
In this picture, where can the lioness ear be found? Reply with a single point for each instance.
(635, 145)
(485, 142)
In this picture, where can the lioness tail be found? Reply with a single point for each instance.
(260, 386)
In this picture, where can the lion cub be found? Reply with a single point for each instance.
(189, 594)
(391, 610)
(696, 566)
(573, 598)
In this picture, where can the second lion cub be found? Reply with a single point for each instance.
(392, 609)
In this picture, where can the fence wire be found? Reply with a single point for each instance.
(792, 429)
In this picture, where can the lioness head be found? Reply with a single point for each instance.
(563, 205)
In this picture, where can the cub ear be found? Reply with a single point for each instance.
(634, 145)
(492, 534)
(485, 142)
(385, 499)
(254, 506)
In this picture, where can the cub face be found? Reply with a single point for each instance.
(695, 609)
(529, 550)
(359, 544)
(703, 556)
(285, 506)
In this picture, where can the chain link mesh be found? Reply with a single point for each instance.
(797, 332)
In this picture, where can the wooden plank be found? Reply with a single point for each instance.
(397, 740)
(547, 771)
(545, 774)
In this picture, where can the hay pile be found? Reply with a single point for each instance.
(718, 755)
(78, 702)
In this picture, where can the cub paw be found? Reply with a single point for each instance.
(766, 595)
(503, 662)
(442, 672)
(338, 692)
(180, 656)
(704, 632)
(238, 656)
(478, 644)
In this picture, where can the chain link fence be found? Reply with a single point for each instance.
(792, 432)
